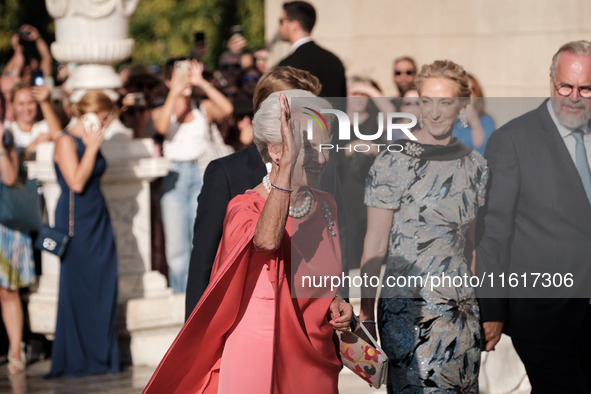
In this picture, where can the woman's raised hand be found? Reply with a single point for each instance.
(196, 73)
(290, 135)
(93, 139)
(40, 93)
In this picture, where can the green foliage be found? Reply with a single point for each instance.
(165, 28)
(161, 28)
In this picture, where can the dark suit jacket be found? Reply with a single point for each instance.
(224, 179)
(537, 219)
(329, 69)
(322, 64)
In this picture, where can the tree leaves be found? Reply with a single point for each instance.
(160, 28)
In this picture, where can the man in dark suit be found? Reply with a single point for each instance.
(295, 25)
(538, 219)
(227, 177)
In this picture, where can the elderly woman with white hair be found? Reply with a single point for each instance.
(257, 329)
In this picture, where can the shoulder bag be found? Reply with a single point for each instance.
(53, 240)
(20, 206)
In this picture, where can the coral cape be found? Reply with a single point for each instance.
(305, 357)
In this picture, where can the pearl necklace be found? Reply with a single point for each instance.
(294, 212)
(302, 210)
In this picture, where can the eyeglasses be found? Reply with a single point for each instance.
(407, 72)
(260, 59)
(231, 66)
(250, 78)
(565, 90)
(135, 111)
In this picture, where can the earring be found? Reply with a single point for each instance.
(463, 119)
(277, 160)
(421, 121)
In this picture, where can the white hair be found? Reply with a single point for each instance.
(266, 124)
(578, 48)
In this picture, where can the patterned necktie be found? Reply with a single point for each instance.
(581, 162)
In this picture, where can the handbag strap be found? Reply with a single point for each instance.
(371, 338)
(71, 214)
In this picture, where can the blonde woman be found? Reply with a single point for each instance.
(85, 336)
(422, 205)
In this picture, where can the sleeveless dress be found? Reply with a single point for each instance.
(432, 336)
(85, 336)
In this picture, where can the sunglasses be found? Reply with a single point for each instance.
(135, 111)
(250, 78)
(232, 66)
(407, 72)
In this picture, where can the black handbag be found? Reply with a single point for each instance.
(53, 240)
(20, 206)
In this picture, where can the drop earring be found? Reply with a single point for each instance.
(463, 119)
(421, 121)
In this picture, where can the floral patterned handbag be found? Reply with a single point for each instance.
(366, 360)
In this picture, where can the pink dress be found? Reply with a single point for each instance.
(248, 334)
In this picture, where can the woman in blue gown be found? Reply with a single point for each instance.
(85, 336)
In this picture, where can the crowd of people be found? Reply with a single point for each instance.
(252, 203)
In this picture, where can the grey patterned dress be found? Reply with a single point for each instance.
(431, 335)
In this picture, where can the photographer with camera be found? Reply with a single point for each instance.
(185, 126)
(20, 66)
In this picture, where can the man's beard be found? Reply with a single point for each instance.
(568, 120)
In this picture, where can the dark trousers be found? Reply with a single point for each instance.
(559, 365)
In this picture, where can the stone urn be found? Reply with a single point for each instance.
(94, 35)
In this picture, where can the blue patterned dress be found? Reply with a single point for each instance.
(434, 338)
(17, 267)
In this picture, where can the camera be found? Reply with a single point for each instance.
(236, 30)
(23, 36)
(134, 100)
(199, 38)
(37, 78)
(7, 138)
(182, 67)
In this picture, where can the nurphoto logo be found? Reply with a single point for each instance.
(392, 124)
